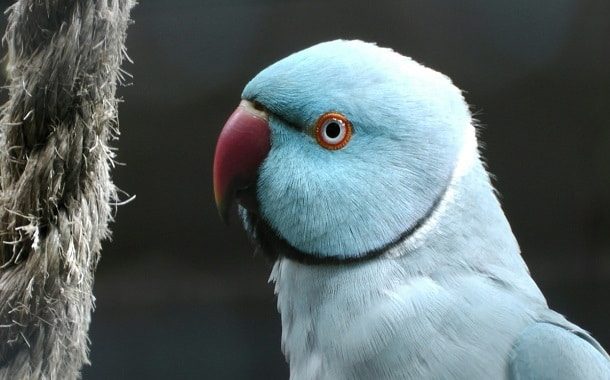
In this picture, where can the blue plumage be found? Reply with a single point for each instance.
(395, 259)
(545, 351)
(393, 169)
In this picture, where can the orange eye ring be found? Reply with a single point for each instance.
(333, 131)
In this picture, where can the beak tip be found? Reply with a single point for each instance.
(224, 219)
(224, 216)
(223, 208)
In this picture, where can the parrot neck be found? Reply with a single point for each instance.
(468, 228)
(466, 161)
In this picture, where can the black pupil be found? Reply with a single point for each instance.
(333, 129)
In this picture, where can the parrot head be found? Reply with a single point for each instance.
(340, 151)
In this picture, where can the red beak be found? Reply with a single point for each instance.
(243, 144)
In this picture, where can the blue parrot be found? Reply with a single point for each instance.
(357, 172)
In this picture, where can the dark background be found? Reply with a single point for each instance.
(179, 295)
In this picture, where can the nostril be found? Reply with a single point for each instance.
(258, 106)
(254, 108)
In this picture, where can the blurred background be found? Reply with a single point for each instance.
(180, 296)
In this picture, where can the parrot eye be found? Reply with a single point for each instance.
(333, 131)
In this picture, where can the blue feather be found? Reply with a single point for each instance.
(409, 123)
(447, 294)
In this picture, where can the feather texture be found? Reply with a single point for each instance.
(447, 294)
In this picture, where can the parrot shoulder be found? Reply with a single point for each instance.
(549, 351)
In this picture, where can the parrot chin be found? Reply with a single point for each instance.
(265, 240)
(271, 245)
